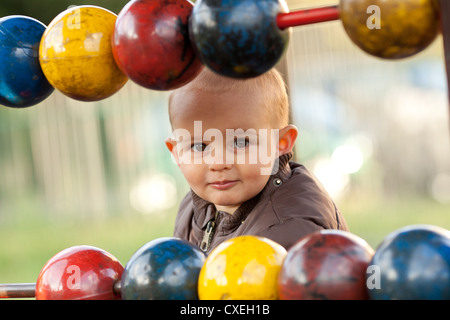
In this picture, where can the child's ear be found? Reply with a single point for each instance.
(287, 137)
(170, 144)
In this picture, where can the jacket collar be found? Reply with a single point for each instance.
(204, 210)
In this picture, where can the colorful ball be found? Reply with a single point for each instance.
(76, 54)
(22, 83)
(238, 38)
(413, 263)
(79, 273)
(163, 269)
(326, 265)
(390, 29)
(242, 268)
(151, 43)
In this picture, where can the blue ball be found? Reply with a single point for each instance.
(413, 264)
(163, 269)
(22, 82)
(238, 38)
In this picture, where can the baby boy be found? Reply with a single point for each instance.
(233, 143)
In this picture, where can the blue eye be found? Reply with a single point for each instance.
(241, 143)
(198, 147)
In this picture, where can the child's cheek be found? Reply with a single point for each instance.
(192, 173)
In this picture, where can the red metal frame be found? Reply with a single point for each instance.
(308, 16)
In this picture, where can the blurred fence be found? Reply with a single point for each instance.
(395, 112)
(84, 159)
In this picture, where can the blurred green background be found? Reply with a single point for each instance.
(375, 132)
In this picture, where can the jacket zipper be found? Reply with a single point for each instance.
(209, 233)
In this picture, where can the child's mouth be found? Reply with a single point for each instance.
(224, 184)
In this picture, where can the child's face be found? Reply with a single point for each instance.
(221, 164)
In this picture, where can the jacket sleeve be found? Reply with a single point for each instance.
(301, 206)
(184, 217)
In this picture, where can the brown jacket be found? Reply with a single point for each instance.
(292, 205)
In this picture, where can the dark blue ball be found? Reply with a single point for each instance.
(413, 264)
(163, 269)
(22, 83)
(238, 38)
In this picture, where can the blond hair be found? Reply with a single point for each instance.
(270, 85)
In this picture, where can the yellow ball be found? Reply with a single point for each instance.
(390, 29)
(242, 268)
(76, 54)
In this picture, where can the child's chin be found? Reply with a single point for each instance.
(226, 204)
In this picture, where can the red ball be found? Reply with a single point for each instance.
(79, 273)
(326, 265)
(151, 43)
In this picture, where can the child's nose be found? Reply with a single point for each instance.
(218, 160)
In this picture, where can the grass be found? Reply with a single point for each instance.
(373, 220)
(27, 245)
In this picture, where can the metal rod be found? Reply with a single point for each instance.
(308, 16)
(18, 290)
(117, 288)
(28, 290)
